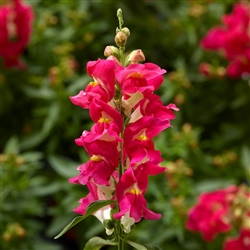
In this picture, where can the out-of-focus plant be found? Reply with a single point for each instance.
(232, 40)
(22, 206)
(15, 27)
(221, 211)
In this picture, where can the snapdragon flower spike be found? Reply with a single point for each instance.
(102, 163)
(139, 78)
(130, 195)
(138, 137)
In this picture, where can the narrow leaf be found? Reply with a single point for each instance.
(93, 207)
(96, 243)
(142, 246)
(136, 245)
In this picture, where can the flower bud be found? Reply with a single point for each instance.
(126, 31)
(111, 51)
(120, 39)
(135, 57)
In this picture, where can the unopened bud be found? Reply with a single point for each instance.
(126, 31)
(120, 39)
(119, 13)
(135, 57)
(111, 51)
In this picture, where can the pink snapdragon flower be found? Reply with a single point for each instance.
(15, 31)
(232, 39)
(139, 78)
(105, 117)
(138, 137)
(103, 86)
(102, 162)
(242, 242)
(102, 71)
(151, 105)
(130, 196)
(209, 216)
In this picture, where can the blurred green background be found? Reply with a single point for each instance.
(207, 148)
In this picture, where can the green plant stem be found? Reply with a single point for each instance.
(120, 237)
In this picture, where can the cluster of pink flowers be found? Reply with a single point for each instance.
(15, 30)
(127, 116)
(219, 212)
(233, 40)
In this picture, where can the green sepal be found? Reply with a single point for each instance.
(93, 207)
(96, 243)
(142, 246)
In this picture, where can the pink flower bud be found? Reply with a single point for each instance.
(111, 51)
(135, 57)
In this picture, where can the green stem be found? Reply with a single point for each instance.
(119, 232)
(120, 241)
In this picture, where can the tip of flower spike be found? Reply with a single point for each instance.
(119, 13)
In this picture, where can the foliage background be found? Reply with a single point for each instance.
(207, 148)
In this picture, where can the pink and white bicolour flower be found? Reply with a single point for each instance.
(102, 163)
(130, 192)
(138, 137)
(96, 193)
(103, 86)
(151, 105)
(108, 122)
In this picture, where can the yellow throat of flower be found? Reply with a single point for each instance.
(143, 138)
(93, 84)
(95, 158)
(106, 120)
(135, 191)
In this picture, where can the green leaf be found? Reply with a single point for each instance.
(12, 146)
(208, 185)
(142, 246)
(63, 166)
(96, 243)
(245, 157)
(93, 207)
